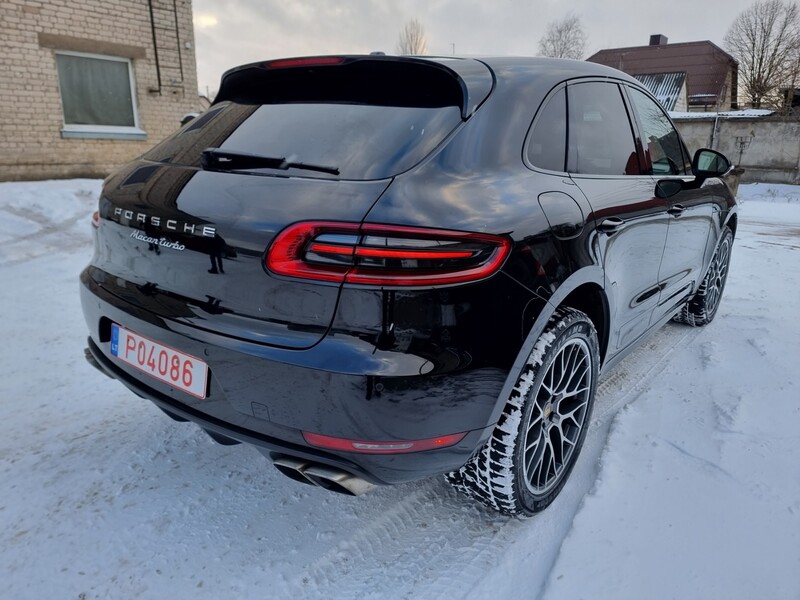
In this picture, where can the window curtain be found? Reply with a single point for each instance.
(95, 91)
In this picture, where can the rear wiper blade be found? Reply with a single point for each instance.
(309, 167)
(214, 159)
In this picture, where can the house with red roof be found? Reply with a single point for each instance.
(710, 75)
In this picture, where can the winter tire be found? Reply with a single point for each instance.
(525, 463)
(702, 307)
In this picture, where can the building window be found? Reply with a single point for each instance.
(98, 96)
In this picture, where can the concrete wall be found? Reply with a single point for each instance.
(32, 144)
(774, 151)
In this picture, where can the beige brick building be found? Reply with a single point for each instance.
(87, 85)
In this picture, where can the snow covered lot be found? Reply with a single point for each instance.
(688, 485)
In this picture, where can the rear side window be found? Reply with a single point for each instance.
(547, 148)
(365, 121)
(600, 136)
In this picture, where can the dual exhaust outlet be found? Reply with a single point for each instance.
(329, 478)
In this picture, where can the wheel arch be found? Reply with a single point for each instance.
(732, 223)
(590, 298)
(584, 291)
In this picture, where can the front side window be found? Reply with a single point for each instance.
(662, 144)
(97, 95)
(600, 134)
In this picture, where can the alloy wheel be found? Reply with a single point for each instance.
(717, 273)
(557, 416)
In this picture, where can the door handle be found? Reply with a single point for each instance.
(611, 225)
(676, 210)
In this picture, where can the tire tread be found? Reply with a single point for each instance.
(489, 476)
(695, 311)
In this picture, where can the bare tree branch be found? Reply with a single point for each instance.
(412, 39)
(765, 39)
(564, 38)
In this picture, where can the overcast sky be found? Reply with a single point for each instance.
(234, 32)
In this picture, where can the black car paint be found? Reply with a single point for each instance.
(392, 364)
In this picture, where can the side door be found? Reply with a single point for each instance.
(631, 223)
(691, 209)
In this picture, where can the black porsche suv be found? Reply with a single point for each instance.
(377, 269)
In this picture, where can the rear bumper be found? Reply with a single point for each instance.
(268, 401)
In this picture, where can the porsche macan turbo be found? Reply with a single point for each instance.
(377, 269)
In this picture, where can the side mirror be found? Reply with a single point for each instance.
(188, 117)
(667, 188)
(709, 163)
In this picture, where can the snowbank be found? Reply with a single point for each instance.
(688, 485)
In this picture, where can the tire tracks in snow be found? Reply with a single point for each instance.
(412, 542)
(67, 235)
(433, 540)
(647, 359)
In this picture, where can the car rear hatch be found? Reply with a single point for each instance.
(184, 230)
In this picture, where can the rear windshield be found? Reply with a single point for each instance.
(350, 129)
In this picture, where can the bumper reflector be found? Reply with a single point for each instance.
(396, 447)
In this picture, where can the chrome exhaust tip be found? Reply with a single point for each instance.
(329, 478)
(292, 468)
(338, 481)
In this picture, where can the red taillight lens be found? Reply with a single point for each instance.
(96, 218)
(397, 447)
(385, 255)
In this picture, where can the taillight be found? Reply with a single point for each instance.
(385, 255)
(308, 61)
(96, 218)
(397, 447)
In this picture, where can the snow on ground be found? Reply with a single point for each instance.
(698, 494)
(688, 485)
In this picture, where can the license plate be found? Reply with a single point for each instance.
(166, 364)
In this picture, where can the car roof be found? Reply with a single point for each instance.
(511, 73)
(547, 70)
(477, 75)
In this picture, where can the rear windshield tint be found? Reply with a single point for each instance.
(356, 121)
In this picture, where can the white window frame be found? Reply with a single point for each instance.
(114, 132)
